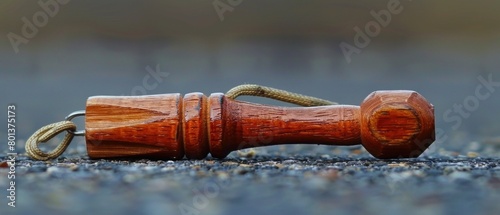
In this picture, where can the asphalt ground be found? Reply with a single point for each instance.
(295, 179)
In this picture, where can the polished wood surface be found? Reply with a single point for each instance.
(194, 126)
(135, 126)
(390, 124)
(397, 124)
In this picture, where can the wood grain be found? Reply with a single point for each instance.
(195, 131)
(134, 126)
(389, 124)
(397, 124)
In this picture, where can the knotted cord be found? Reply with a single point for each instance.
(46, 133)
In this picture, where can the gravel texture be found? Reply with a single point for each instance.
(272, 180)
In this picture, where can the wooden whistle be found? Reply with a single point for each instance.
(389, 124)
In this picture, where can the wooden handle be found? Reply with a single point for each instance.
(388, 123)
(237, 125)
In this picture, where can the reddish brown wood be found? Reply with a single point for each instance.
(390, 124)
(397, 124)
(216, 128)
(134, 126)
(250, 125)
(195, 130)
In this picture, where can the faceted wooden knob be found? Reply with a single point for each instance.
(396, 124)
(390, 124)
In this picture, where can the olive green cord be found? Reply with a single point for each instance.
(272, 93)
(47, 132)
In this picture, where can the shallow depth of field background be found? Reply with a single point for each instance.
(93, 47)
(442, 49)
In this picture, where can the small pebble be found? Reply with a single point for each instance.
(472, 154)
(241, 170)
(246, 165)
(230, 163)
(70, 166)
(325, 156)
(247, 153)
(397, 165)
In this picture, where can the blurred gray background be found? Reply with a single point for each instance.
(442, 49)
(104, 47)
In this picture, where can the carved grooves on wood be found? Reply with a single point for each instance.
(170, 127)
(194, 123)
